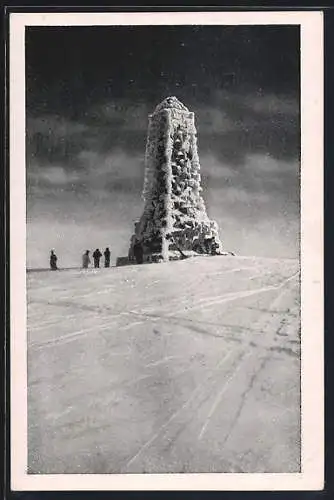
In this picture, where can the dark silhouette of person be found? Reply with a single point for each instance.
(97, 256)
(139, 252)
(53, 261)
(107, 257)
(85, 259)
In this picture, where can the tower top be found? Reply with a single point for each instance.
(170, 102)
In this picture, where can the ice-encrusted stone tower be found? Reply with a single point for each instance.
(174, 216)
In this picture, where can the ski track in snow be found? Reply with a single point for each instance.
(225, 386)
(219, 397)
(186, 344)
(272, 305)
(179, 410)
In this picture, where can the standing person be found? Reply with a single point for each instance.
(107, 257)
(53, 261)
(97, 256)
(139, 252)
(85, 259)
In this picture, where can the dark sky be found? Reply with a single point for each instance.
(89, 91)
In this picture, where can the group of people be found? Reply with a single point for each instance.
(96, 258)
(85, 259)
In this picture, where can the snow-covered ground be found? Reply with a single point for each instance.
(189, 366)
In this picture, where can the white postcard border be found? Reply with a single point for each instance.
(312, 295)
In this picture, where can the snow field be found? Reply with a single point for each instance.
(187, 366)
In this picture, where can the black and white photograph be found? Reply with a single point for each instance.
(163, 192)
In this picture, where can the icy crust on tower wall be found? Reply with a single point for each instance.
(174, 215)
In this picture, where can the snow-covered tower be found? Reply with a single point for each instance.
(174, 216)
